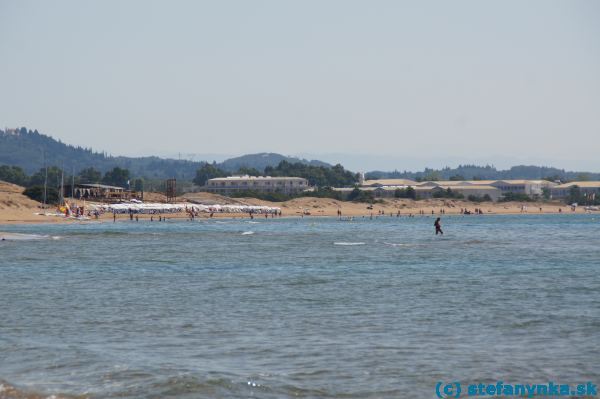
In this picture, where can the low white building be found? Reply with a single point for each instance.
(586, 188)
(475, 190)
(532, 188)
(387, 182)
(261, 184)
(495, 189)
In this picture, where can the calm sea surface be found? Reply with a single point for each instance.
(308, 308)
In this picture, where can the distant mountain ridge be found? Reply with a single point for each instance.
(27, 149)
(30, 149)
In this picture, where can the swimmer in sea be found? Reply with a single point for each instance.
(438, 227)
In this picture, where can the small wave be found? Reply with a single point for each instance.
(110, 233)
(469, 242)
(306, 281)
(189, 385)
(8, 391)
(247, 233)
(105, 233)
(348, 243)
(24, 237)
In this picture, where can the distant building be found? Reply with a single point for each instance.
(466, 190)
(262, 184)
(495, 189)
(98, 192)
(586, 188)
(532, 188)
(387, 182)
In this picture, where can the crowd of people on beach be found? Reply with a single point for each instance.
(193, 209)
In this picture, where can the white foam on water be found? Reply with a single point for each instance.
(247, 233)
(348, 243)
(22, 237)
(392, 244)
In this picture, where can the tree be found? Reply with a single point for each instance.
(36, 193)
(448, 193)
(583, 177)
(477, 198)
(519, 197)
(431, 175)
(206, 172)
(138, 184)
(248, 171)
(323, 192)
(407, 192)
(574, 195)
(116, 177)
(358, 195)
(546, 193)
(320, 176)
(90, 175)
(54, 177)
(13, 174)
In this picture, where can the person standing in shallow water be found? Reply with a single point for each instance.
(438, 227)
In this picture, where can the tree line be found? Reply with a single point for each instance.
(52, 177)
(319, 176)
(488, 172)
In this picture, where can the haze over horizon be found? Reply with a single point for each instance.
(368, 85)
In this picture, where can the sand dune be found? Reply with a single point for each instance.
(15, 207)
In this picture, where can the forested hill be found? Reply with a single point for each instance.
(474, 172)
(27, 149)
(263, 160)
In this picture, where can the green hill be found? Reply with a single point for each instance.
(31, 150)
(263, 160)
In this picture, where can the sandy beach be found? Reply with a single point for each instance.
(17, 208)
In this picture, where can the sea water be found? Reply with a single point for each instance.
(309, 308)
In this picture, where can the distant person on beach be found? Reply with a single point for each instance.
(438, 227)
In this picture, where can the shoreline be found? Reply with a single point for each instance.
(15, 208)
(32, 218)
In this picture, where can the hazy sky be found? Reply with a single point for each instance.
(407, 84)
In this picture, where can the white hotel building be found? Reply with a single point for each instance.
(263, 184)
